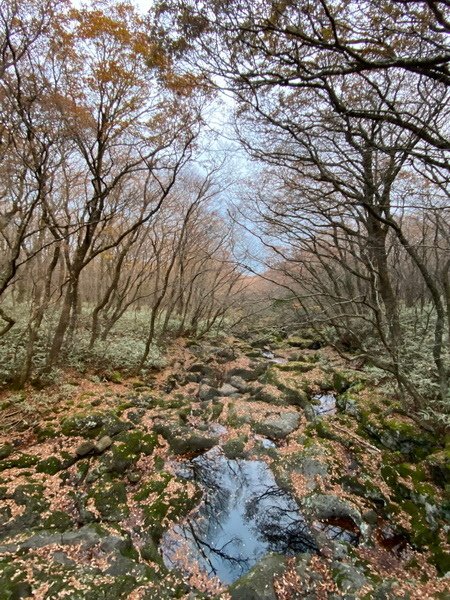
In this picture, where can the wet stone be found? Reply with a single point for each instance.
(243, 516)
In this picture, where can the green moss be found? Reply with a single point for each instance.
(296, 366)
(23, 461)
(234, 448)
(171, 506)
(45, 433)
(93, 425)
(50, 465)
(159, 463)
(297, 341)
(110, 499)
(58, 520)
(155, 486)
(216, 410)
(292, 386)
(150, 552)
(13, 584)
(114, 376)
(5, 451)
(441, 560)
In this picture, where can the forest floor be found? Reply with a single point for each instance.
(92, 479)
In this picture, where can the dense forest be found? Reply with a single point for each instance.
(224, 299)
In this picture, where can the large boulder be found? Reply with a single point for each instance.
(184, 440)
(277, 426)
(257, 584)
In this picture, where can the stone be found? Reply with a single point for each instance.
(192, 442)
(328, 506)
(207, 392)
(183, 439)
(225, 354)
(227, 390)
(371, 517)
(277, 426)
(62, 559)
(134, 477)
(103, 443)
(257, 584)
(254, 371)
(85, 448)
(93, 425)
(240, 384)
(348, 577)
(5, 451)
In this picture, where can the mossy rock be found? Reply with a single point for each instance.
(59, 521)
(22, 461)
(93, 425)
(45, 432)
(405, 437)
(6, 450)
(114, 376)
(257, 584)
(438, 464)
(296, 366)
(168, 507)
(51, 465)
(234, 448)
(13, 583)
(292, 387)
(303, 343)
(31, 497)
(157, 485)
(127, 449)
(346, 379)
(183, 439)
(110, 498)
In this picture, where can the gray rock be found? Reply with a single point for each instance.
(85, 448)
(103, 443)
(257, 584)
(251, 374)
(192, 442)
(348, 577)
(225, 354)
(277, 426)
(62, 559)
(207, 392)
(227, 390)
(183, 439)
(86, 535)
(328, 506)
(240, 384)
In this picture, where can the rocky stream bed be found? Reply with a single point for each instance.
(268, 470)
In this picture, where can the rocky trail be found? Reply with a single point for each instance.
(263, 470)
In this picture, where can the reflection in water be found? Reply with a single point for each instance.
(324, 404)
(272, 358)
(243, 516)
(340, 529)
